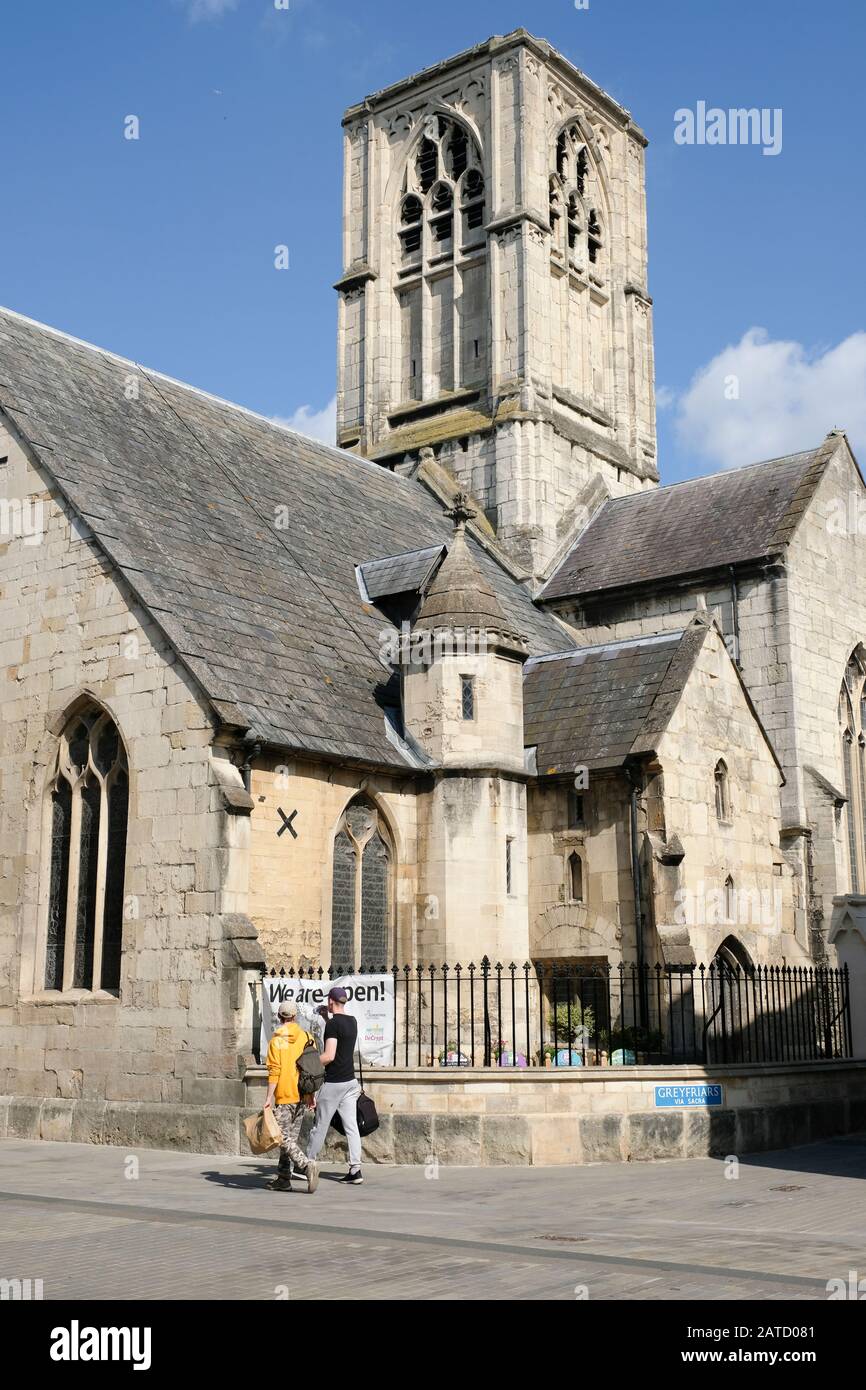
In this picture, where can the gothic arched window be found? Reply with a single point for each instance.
(361, 905)
(852, 727)
(575, 878)
(722, 792)
(442, 311)
(89, 812)
(581, 307)
(730, 900)
(572, 181)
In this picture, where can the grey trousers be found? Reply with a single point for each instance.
(342, 1096)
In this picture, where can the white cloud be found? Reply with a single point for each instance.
(208, 9)
(761, 397)
(317, 424)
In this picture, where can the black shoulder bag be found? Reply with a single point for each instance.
(368, 1116)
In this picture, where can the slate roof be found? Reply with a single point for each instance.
(597, 706)
(400, 574)
(729, 518)
(181, 490)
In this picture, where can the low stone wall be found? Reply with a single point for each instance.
(589, 1115)
(601, 1114)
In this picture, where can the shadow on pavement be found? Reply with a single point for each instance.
(844, 1157)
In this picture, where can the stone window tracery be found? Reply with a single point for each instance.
(442, 296)
(573, 186)
(362, 880)
(89, 796)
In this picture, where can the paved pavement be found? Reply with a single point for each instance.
(100, 1223)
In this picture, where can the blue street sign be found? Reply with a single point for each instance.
(699, 1093)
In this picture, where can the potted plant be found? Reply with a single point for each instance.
(450, 1056)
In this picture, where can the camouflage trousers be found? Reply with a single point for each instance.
(290, 1118)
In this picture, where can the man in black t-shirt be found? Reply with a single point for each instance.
(340, 1090)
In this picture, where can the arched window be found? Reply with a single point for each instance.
(852, 728)
(362, 878)
(733, 955)
(442, 311)
(722, 792)
(89, 811)
(573, 180)
(730, 900)
(575, 878)
(581, 305)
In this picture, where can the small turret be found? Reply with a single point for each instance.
(463, 695)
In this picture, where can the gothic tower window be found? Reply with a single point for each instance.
(581, 308)
(89, 797)
(362, 913)
(852, 726)
(441, 297)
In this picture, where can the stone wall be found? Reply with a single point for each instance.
(602, 925)
(713, 723)
(173, 1034)
(591, 1115)
(291, 878)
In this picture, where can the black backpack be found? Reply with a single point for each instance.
(311, 1072)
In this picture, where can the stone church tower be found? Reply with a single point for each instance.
(494, 312)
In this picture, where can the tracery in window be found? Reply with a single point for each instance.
(442, 300)
(89, 796)
(362, 912)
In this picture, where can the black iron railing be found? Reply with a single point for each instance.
(491, 1014)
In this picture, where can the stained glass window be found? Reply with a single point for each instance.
(361, 909)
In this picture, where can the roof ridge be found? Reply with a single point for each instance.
(194, 390)
(669, 635)
(704, 478)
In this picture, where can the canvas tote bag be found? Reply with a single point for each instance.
(263, 1132)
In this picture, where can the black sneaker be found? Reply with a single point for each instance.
(353, 1178)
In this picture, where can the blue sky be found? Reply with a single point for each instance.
(162, 248)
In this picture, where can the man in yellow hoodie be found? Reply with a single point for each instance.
(286, 1046)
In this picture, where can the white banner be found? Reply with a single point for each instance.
(371, 1002)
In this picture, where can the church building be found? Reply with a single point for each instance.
(470, 683)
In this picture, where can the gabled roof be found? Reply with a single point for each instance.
(731, 518)
(599, 707)
(596, 706)
(239, 536)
